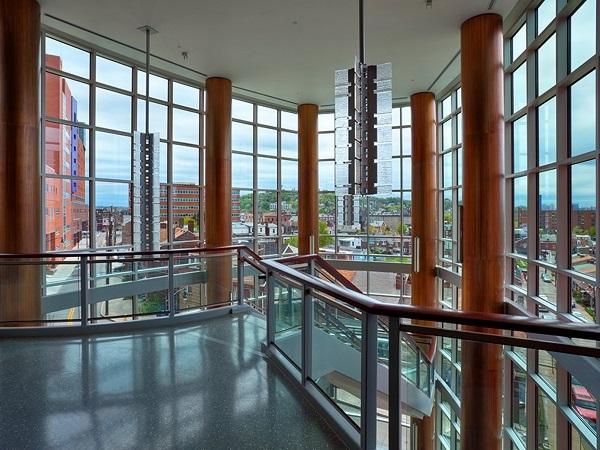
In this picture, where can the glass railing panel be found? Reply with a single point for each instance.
(287, 303)
(22, 285)
(189, 282)
(409, 362)
(336, 355)
(255, 288)
(221, 278)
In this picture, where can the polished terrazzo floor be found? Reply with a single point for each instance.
(206, 386)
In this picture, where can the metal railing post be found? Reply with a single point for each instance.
(84, 288)
(368, 403)
(240, 276)
(270, 308)
(307, 327)
(171, 276)
(394, 380)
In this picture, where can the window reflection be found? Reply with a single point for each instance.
(583, 217)
(582, 34)
(583, 115)
(546, 65)
(113, 156)
(548, 216)
(519, 128)
(113, 110)
(519, 88)
(520, 215)
(547, 132)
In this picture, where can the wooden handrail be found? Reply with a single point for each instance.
(130, 253)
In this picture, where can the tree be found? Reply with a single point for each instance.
(325, 238)
(402, 229)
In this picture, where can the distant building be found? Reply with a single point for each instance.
(66, 209)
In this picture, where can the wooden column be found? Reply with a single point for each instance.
(483, 223)
(308, 179)
(424, 222)
(218, 186)
(20, 186)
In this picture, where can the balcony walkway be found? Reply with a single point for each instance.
(206, 386)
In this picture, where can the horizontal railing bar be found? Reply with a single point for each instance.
(134, 253)
(482, 320)
(491, 338)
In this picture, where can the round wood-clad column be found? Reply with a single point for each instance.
(424, 202)
(308, 179)
(424, 221)
(218, 186)
(483, 220)
(20, 187)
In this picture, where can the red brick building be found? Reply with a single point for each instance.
(66, 209)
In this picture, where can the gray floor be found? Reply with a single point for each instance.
(206, 386)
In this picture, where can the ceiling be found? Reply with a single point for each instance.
(290, 48)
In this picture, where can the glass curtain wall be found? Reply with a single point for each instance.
(450, 163)
(264, 143)
(383, 232)
(551, 165)
(92, 104)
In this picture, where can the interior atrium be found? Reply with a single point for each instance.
(234, 225)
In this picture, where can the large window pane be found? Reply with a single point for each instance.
(583, 34)
(289, 175)
(66, 150)
(113, 156)
(185, 95)
(546, 423)
(242, 171)
(266, 116)
(519, 88)
(447, 134)
(546, 65)
(545, 14)
(520, 144)
(406, 174)
(583, 115)
(159, 86)
(289, 120)
(158, 118)
(583, 217)
(186, 164)
(520, 215)
(326, 146)
(326, 122)
(547, 132)
(242, 110)
(326, 177)
(289, 145)
(242, 137)
(519, 42)
(113, 110)
(447, 170)
(67, 99)
(548, 216)
(267, 173)
(66, 214)
(113, 214)
(67, 58)
(406, 142)
(266, 141)
(519, 399)
(113, 74)
(186, 126)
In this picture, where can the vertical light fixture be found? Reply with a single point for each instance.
(363, 132)
(146, 174)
